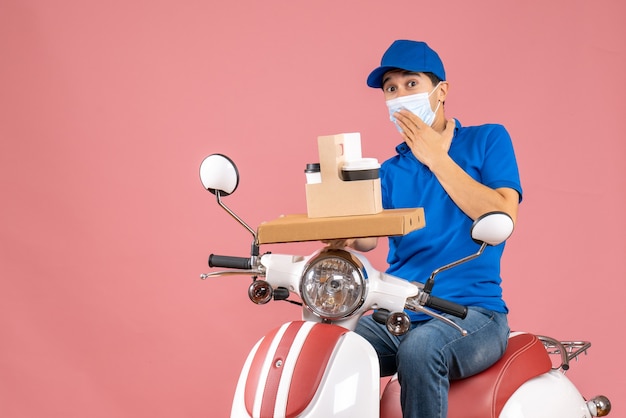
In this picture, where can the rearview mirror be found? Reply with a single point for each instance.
(492, 228)
(219, 173)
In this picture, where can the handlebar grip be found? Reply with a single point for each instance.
(227, 261)
(381, 316)
(447, 306)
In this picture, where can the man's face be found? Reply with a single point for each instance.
(398, 83)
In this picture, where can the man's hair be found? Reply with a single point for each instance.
(433, 78)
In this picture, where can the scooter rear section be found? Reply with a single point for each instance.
(307, 369)
(520, 385)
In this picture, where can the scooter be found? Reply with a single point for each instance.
(319, 367)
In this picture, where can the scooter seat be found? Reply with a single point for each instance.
(485, 394)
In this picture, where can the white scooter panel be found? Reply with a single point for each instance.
(307, 369)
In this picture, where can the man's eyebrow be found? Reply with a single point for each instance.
(404, 73)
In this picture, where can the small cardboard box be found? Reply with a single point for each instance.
(299, 227)
(335, 196)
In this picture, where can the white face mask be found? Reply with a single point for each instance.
(418, 104)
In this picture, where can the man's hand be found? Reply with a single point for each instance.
(339, 243)
(427, 144)
(359, 244)
(431, 148)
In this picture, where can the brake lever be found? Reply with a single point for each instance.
(252, 272)
(412, 304)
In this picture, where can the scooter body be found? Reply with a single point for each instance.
(319, 367)
(313, 369)
(307, 369)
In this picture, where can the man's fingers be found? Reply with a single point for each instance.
(408, 122)
(408, 116)
(450, 125)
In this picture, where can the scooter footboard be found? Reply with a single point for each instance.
(308, 369)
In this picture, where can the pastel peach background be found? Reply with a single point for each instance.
(108, 107)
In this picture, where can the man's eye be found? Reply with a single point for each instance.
(390, 89)
(412, 83)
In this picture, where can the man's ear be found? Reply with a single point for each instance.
(442, 91)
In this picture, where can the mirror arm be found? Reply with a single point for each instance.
(238, 219)
(428, 286)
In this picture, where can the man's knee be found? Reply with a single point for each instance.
(419, 347)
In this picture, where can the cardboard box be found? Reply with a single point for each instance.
(299, 227)
(337, 197)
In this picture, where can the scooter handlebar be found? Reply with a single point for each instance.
(447, 306)
(226, 261)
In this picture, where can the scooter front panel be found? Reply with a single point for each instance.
(256, 372)
(308, 369)
(279, 355)
(350, 386)
(310, 366)
(278, 367)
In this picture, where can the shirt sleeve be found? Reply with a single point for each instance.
(500, 165)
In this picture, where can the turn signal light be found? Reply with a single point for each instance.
(260, 292)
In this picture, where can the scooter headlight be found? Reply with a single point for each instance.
(333, 284)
